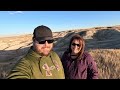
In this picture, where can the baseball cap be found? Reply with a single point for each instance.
(42, 33)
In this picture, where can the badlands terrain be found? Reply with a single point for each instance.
(103, 43)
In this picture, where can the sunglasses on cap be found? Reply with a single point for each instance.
(43, 42)
(74, 44)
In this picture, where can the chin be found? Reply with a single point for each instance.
(45, 54)
(75, 52)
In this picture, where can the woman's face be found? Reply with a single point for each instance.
(75, 46)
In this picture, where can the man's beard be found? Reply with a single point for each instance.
(45, 53)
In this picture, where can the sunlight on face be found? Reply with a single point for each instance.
(75, 46)
(43, 48)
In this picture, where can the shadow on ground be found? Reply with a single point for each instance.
(8, 58)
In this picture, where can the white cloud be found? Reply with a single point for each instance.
(15, 12)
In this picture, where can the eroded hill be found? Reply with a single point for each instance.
(102, 42)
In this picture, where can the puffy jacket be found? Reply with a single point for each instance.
(35, 66)
(79, 69)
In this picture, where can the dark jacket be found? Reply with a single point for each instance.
(85, 68)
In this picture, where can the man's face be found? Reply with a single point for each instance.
(43, 47)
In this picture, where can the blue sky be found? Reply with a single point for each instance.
(22, 22)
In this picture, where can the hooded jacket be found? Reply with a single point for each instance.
(79, 69)
(35, 66)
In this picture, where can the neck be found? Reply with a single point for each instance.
(74, 54)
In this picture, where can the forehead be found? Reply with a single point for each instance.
(76, 41)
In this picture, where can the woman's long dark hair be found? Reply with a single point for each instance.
(82, 45)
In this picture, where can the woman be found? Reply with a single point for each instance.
(77, 63)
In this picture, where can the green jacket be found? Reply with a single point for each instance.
(35, 66)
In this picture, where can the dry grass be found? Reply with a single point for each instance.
(5, 69)
(108, 62)
(6, 66)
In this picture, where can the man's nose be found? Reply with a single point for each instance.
(46, 43)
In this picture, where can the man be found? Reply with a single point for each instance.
(40, 62)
